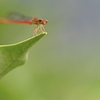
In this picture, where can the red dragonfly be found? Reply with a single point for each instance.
(21, 19)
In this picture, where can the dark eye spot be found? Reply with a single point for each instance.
(40, 20)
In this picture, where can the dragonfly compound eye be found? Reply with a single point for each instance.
(44, 22)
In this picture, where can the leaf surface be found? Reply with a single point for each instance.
(14, 55)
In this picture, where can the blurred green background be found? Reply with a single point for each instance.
(64, 64)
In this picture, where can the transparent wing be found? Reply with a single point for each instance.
(17, 16)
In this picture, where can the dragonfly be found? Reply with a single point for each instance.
(18, 18)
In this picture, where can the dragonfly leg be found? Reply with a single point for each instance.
(41, 27)
(35, 30)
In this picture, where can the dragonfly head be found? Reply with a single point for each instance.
(44, 22)
(39, 21)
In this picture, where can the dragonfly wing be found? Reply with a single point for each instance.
(18, 16)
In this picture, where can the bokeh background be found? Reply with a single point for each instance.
(64, 64)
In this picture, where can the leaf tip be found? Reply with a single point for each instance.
(44, 32)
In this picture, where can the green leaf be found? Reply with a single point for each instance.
(14, 55)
